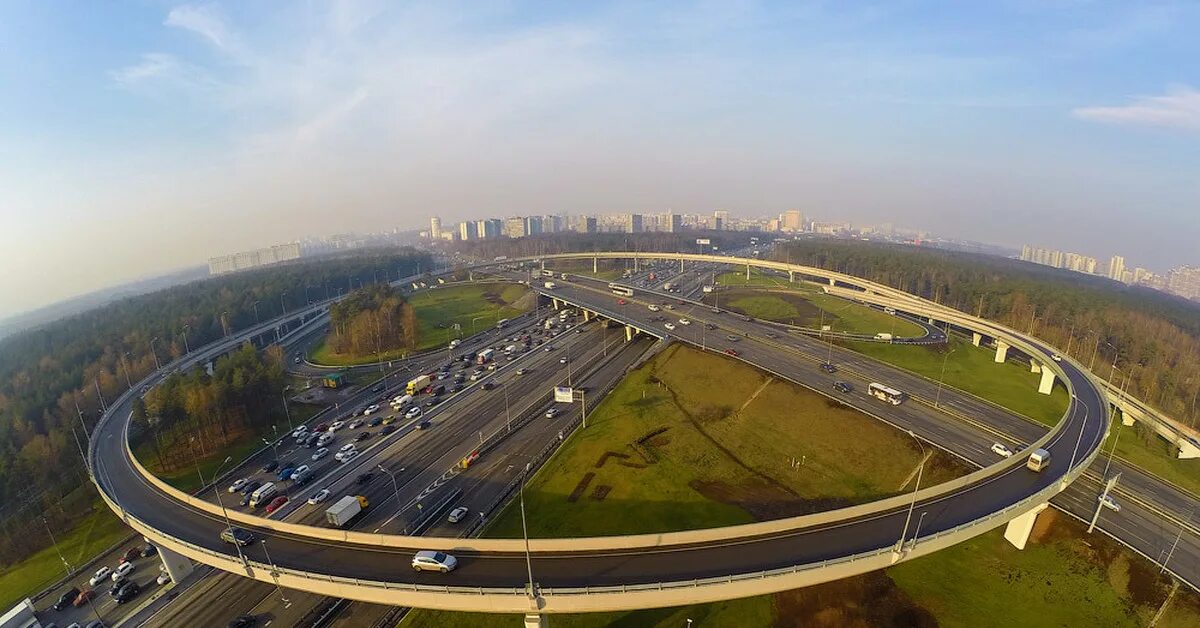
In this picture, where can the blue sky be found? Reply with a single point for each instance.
(144, 136)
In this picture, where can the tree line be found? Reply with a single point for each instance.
(53, 378)
(373, 320)
(1136, 337)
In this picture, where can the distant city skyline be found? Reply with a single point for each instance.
(152, 136)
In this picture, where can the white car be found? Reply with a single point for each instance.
(318, 497)
(237, 485)
(457, 514)
(300, 470)
(433, 561)
(299, 431)
(335, 426)
(522, 371)
(551, 413)
(320, 453)
(371, 409)
(684, 321)
(355, 424)
(562, 360)
(124, 569)
(1108, 502)
(1056, 357)
(163, 578)
(1000, 449)
(653, 308)
(413, 412)
(101, 575)
(670, 326)
(349, 455)
(346, 450)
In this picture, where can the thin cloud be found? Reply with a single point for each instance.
(154, 65)
(205, 22)
(1179, 108)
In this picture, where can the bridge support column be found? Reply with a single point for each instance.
(587, 316)
(832, 281)
(1047, 383)
(976, 338)
(747, 272)
(1018, 529)
(555, 302)
(595, 265)
(1126, 419)
(791, 276)
(931, 321)
(534, 620)
(1001, 351)
(629, 331)
(681, 265)
(177, 566)
(1034, 367)
(1187, 449)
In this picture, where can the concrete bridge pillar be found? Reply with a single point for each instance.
(976, 338)
(1018, 529)
(629, 332)
(534, 620)
(1034, 367)
(555, 302)
(931, 321)
(791, 276)
(747, 272)
(1047, 383)
(543, 262)
(1126, 418)
(832, 281)
(1001, 351)
(595, 265)
(177, 566)
(587, 316)
(681, 265)
(1187, 449)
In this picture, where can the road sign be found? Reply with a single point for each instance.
(703, 241)
(564, 394)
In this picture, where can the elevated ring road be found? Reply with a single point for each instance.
(605, 573)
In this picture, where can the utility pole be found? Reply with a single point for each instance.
(1108, 486)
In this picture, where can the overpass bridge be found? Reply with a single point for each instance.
(609, 573)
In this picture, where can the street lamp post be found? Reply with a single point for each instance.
(395, 486)
(154, 353)
(942, 378)
(255, 306)
(282, 305)
(286, 411)
(221, 503)
(186, 350)
(525, 531)
(66, 566)
(275, 576)
(1078, 440)
(913, 504)
(125, 367)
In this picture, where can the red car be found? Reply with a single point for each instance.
(620, 301)
(732, 352)
(132, 554)
(83, 597)
(276, 504)
(321, 427)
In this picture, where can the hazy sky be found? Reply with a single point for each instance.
(141, 136)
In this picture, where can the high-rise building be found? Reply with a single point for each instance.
(515, 227)
(792, 220)
(553, 224)
(1116, 267)
(634, 223)
(533, 225)
(584, 224)
(467, 230)
(435, 228)
(1184, 281)
(672, 223)
(253, 259)
(721, 219)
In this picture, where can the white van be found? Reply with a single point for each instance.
(1038, 460)
(263, 494)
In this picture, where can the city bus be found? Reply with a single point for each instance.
(884, 393)
(619, 290)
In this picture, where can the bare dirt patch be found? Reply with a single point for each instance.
(867, 601)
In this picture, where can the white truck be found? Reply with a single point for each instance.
(883, 336)
(550, 285)
(345, 510)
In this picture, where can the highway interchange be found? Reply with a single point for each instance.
(798, 365)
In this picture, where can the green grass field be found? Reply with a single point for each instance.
(1141, 447)
(475, 305)
(93, 534)
(805, 305)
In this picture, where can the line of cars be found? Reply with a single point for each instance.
(123, 588)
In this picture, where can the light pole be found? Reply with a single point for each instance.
(286, 411)
(274, 445)
(395, 486)
(942, 378)
(67, 566)
(282, 305)
(1171, 552)
(225, 322)
(154, 353)
(186, 350)
(255, 306)
(221, 503)
(913, 504)
(1078, 440)
(125, 367)
(275, 576)
(525, 531)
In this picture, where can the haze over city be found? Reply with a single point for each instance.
(145, 137)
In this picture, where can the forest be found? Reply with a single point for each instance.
(374, 320)
(1133, 336)
(193, 414)
(53, 377)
